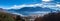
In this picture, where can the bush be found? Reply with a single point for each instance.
(49, 17)
(5, 17)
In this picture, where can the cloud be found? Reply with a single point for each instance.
(58, 5)
(47, 0)
(32, 5)
(42, 4)
(25, 5)
(50, 5)
(43, 12)
(18, 14)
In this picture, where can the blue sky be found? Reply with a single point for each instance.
(17, 2)
(11, 3)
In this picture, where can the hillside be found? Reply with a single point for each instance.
(5, 17)
(27, 10)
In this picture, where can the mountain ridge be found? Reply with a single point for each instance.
(24, 10)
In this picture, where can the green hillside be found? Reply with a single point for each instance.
(5, 17)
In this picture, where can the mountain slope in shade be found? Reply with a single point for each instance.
(2, 10)
(35, 9)
(27, 10)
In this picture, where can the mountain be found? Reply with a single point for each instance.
(2, 10)
(31, 9)
(27, 10)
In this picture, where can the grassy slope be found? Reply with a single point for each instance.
(5, 17)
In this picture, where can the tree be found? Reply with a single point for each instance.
(49, 17)
(19, 18)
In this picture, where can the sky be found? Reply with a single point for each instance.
(17, 2)
(8, 4)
